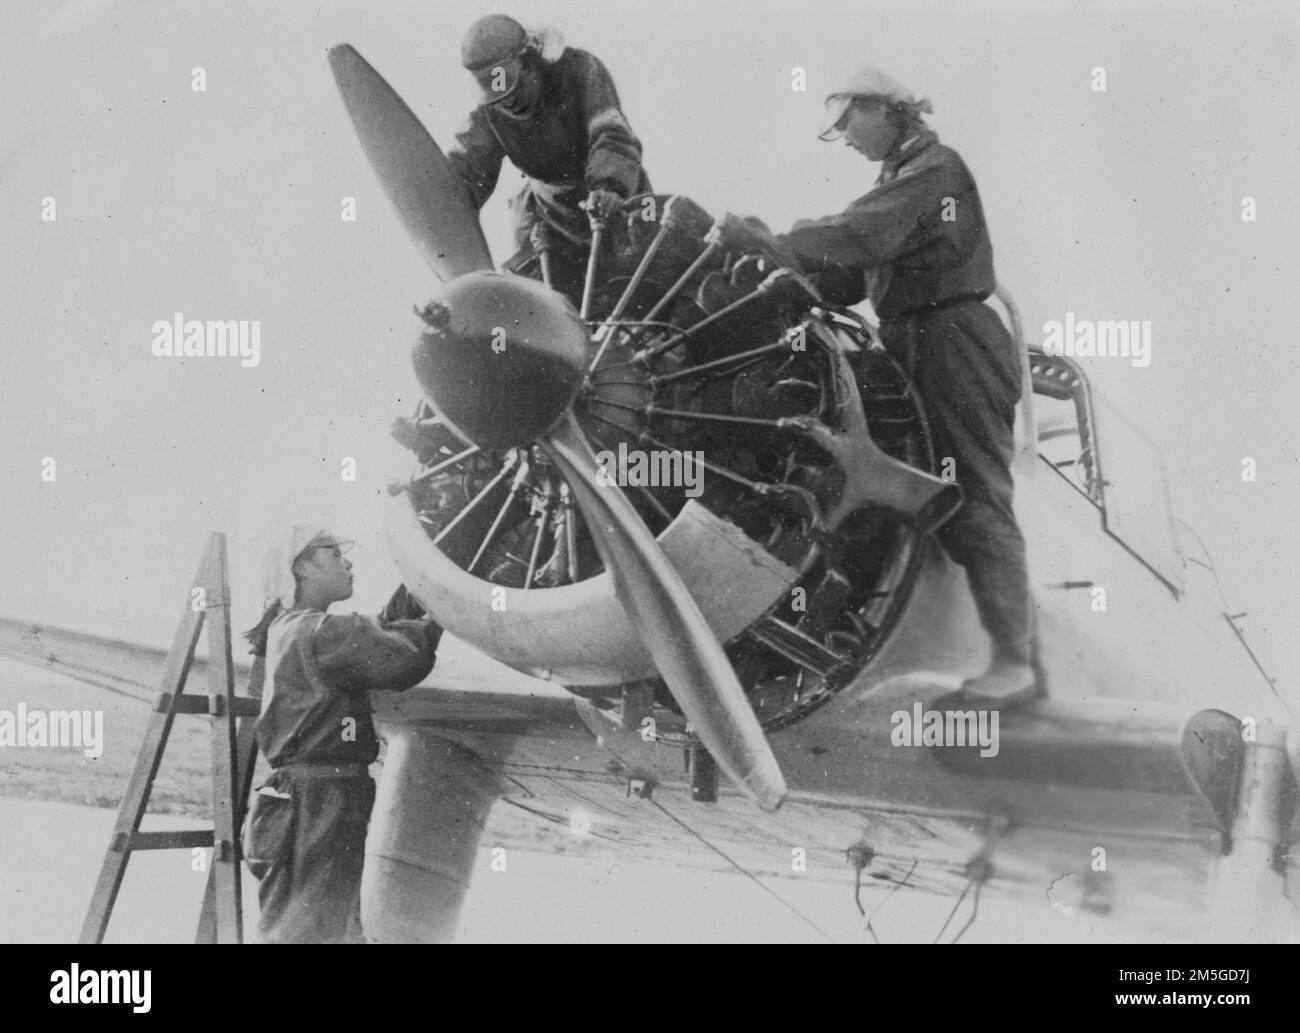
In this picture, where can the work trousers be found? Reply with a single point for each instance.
(965, 368)
(307, 852)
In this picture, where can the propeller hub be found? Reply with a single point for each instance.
(500, 357)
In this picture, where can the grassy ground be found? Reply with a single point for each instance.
(184, 782)
(183, 785)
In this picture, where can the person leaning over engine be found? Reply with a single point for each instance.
(918, 247)
(306, 832)
(554, 112)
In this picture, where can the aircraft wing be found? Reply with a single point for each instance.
(1090, 804)
(127, 668)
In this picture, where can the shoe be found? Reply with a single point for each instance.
(1003, 685)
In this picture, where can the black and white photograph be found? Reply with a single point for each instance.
(661, 472)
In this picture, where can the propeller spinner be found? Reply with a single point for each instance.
(522, 392)
(500, 357)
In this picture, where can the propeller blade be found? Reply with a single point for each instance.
(676, 634)
(429, 197)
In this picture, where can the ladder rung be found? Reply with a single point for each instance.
(171, 840)
(191, 703)
(234, 756)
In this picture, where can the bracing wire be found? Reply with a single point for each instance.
(944, 928)
(857, 896)
(975, 910)
(1228, 616)
(749, 875)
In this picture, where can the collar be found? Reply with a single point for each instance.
(905, 152)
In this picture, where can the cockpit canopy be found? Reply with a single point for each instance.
(1108, 460)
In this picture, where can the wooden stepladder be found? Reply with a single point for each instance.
(233, 756)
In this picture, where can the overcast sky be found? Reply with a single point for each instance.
(225, 204)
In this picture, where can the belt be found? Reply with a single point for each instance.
(936, 306)
(326, 770)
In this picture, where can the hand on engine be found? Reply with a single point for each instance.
(602, 203)
(750, 235)
(402, 606)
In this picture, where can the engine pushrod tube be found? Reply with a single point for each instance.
(645, 492)
(721, 471)
(604, 334)
(569, 511)
(520, 477)
(712, 241)
(593, 260)
(542, 520)
(655, 350)
(726, 360)
(446, 463)
(487, 489)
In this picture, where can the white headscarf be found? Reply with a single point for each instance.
(548, 43)
(278, 583)
(866, 81)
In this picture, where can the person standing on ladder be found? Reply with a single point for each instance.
(306, 831)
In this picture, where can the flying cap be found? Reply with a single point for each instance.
(867, 81)
(277, 566)
(490, 51)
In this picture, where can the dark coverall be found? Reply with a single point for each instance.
(927, 278)
(576, 141)
(305, 839)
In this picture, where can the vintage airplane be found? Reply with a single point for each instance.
(790, 626)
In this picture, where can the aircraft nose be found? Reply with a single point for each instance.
(500, 357)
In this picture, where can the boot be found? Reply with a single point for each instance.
(1006, 683)
(1001, 592)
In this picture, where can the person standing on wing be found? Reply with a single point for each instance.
(305, 836)
(918, 248)
(554, 112)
